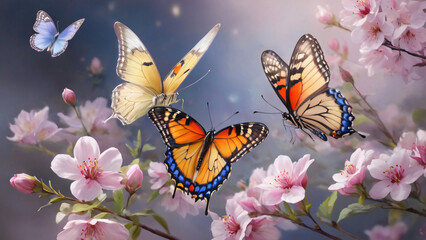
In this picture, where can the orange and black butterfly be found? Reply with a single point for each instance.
(303, 89)
(199, 162)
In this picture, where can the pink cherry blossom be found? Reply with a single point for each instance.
(33, 127)
(158, 176)
(411, 39)
(181, 204)
(324, 15)
(134, 177)
(393, 232)
(372, 33)
(287, 181)
(93, 115)
(380, 58)
(404, 14)
(104, 229)
(353, 173)
(395, 173)
(416, 143)
(91, 170)
(403, 64)
(355, 12)
(24, 183)
(238, 225)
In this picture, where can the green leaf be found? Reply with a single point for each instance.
(361, 199)
(153, 196)
(289, 211)
(52, 201)
(135, 161)
(132, 152)
(133, 199)
(70, 149)
(118, 201)
(145, 212)
(148, 147)
(326, 208)
(145, 164)
(419, 117)
(360, 119)
(356, 208)
(135, 232)
(162, 222)
(102, 215)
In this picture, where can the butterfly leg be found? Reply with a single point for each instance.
(174, 192)
(307, 134)
(207, 207)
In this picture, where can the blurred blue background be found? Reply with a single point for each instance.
(169, 29)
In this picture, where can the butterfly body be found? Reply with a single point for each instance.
(144, 88)
(199, 162)
(48, 37)
(303, 88)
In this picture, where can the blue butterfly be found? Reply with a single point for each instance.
(47, 35)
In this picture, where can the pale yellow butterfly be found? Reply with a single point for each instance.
(144, 88)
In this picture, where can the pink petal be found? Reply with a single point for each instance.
(400, 191)
(336, 186)
(86, 189)
(412, 174)
(376, 169)
(110, 180)
(111, 160)
(85, 149)
(66, 167)
(271, 197)
(295, 195)
(380, 189)
(283, 162)
(112, 230)
(72, 230)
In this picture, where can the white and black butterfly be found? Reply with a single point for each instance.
(48, 37)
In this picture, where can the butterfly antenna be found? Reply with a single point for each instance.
(210, 116)
(235, 113)
(266, 112)
(195, 81)
(270, 104)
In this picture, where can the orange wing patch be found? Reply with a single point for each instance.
(295, 92)
(211, 166)
(186, 158)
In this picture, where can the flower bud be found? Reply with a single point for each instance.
(68, 96)
(96, 66)
(333, 44)
(24, 183)
(324, 15)
(346, 76)
(134, 178)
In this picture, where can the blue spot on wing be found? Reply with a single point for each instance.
(347, 117)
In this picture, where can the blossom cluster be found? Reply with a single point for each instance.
(391, 34)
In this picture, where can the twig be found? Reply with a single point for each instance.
(81, 120)
(45, 150)
(388, 44)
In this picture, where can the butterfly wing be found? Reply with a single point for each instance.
(276, 71)
(130, 102)
(328, 113)
(229, 145)
(184, 137)
(188, 62)
(46, 32)
(134, 63)
(308, 72)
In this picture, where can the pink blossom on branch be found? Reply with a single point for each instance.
(68, 96)
(237, 224)
(91, 170)
(372, 33)
(395, 173)
(158, 176)
(287, 181)
(353, 173)
(380, 58)
(104, 229)
(33, 127)
(416, 143)
(356, 12)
